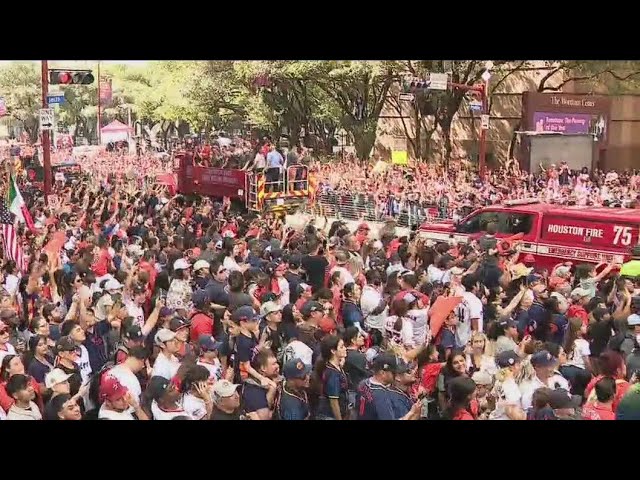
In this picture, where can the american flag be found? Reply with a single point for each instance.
(11, 245)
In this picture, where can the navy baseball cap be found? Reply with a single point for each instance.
(246, 313)
(295, 368)
(208, 343)
(534, 278)
(542, 359)
(507, 359)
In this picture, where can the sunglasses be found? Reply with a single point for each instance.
(4, 331)
(221, 271)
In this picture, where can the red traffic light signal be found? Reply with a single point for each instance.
(71, 77)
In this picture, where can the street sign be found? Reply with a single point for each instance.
(55, 98)
(475, 105)
(407, 97)
(484, 122)
(439, 81)
(46, 119)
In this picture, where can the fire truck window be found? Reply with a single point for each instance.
(508, 223)
(515, 223)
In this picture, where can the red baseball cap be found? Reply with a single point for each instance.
(327, 325)
(111, 389)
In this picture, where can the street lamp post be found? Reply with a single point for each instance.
(46, 146)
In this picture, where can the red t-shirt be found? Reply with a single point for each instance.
(597, 411)
(101, 267)
(430, 374)
(201, 324)
(621, 388)
(463, 415)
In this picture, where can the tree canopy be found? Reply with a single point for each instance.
(310, 100)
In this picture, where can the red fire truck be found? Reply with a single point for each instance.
(292, 188)
(551, 233)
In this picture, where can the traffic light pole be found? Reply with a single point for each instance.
(482, 90)
(46, 145)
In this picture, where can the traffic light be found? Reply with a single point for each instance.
(71, 77)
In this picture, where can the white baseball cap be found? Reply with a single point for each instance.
(113, 284)
(55, 377)
(181, 264)
(224, 388)
(200, 264)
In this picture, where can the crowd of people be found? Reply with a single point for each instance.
(137, 304)
(412, 194)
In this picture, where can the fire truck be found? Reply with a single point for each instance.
(551, 233)
(285, 190)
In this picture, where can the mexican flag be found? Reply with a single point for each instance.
(16, 204)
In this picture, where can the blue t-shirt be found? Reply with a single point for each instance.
(254, 397)
(447, 339)
(400, 401)
(97, 346)
(351, 315)
(334, 385)
(374, 401)
(244, 352)
(292, 406)
(38, 370)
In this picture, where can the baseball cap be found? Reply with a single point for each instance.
(327, 325)
(295, 261)
(311, 306)
(111, 389)
(534, 278)
(270, 307)
(402, 367)
(112, 285)
(633, 320)
(200, 264)
(385, 361)
(166, 311)
(181, 264)
(560, 398)
(509, 323)
(224, 388)
(295, 368)
(580, 293)
(303, 287)
(55, 377)
(164, 335)
(507, 358)
(482, 378)
(157, 386)
(200, 298)
(65, 344)
(218, 245)
(208, 343)
(134, 332)
(542, 359)
(177, 323)
(245, 313)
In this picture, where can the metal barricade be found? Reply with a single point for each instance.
(358, 207)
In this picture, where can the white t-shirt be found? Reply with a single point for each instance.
(113, 415)
(420, 320)
(11, 284)
(345, 275)
(285, 291)
(84, 364)
(230, 264)
(580, 350)
(194, 406)
(166, 367)
(369, 301)
(475, 307)
(508, 395)
(215, 369)
(402, 337)
(159, 414)
(101, 306)
(128, 379)
(527, 388)
(10, 350)
(134, 310)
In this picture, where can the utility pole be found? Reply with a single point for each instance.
(46, 144)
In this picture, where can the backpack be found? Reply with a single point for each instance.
(94, 383)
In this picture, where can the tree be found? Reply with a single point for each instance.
(359, 90)
(20, 85)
